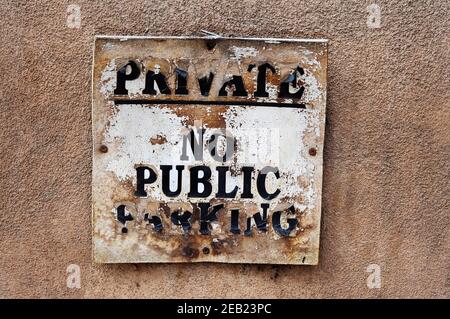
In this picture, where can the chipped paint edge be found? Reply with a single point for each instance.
(93, 257)
(314, 262)
(157, 37)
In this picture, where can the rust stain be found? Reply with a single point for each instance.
(142, 134)
(158, 139)
(211, 116)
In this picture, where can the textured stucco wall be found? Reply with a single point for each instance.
(385, 189)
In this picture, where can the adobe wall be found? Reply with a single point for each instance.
(385, 186)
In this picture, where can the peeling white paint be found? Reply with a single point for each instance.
(133, 126)
(243, 52)
(152, 135)
(108, 78)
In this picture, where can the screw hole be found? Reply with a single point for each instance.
(210, 44)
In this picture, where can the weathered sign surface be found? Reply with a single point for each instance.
(207, 149)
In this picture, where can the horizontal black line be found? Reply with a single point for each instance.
(187, 102)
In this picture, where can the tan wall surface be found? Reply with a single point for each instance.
(386, 161)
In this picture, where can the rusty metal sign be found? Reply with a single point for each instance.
(207, 149)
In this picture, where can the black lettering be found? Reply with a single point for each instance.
(123, 77)
(123, 217)
(165, 169)
(205, 84)
(160, 80)
(195, 180)
(261, 222)
(184, 220)
(247, 181)
(292, 79)
(156, 221)
(235, 222)
(141, 180)
(236, 84)
(222, 183)
(207, 217)
(261, 78)
(261, 182)
(181, 87)
(276, 223)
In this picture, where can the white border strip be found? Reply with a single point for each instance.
(271, 40)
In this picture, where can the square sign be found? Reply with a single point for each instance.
(207, 149)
